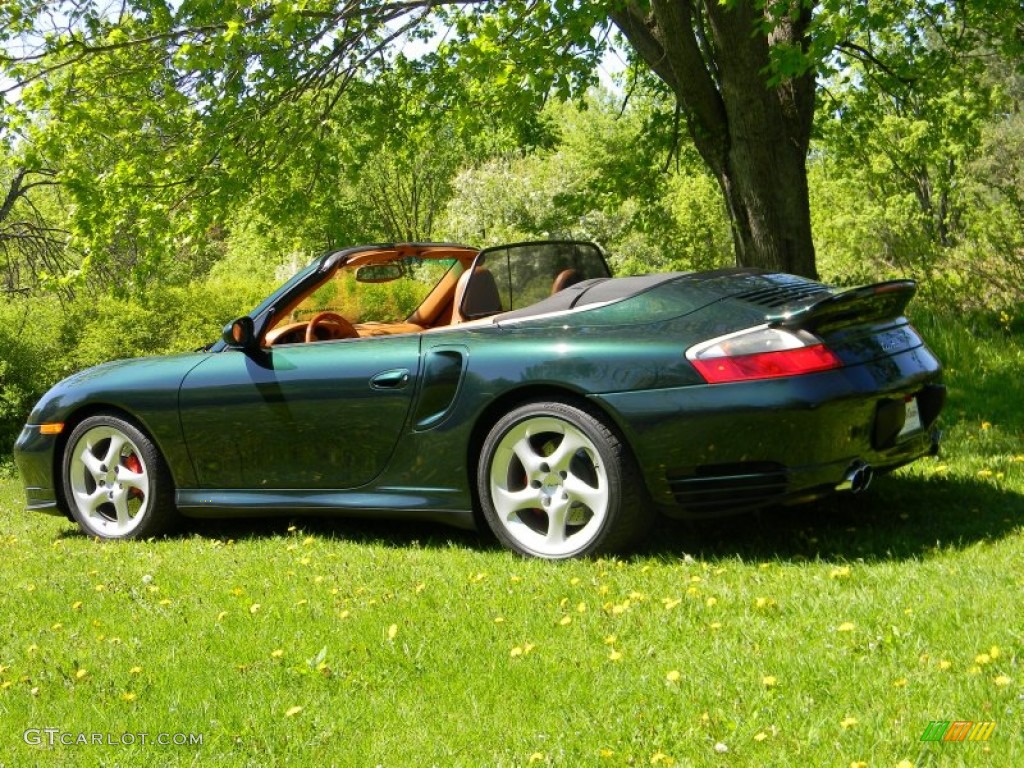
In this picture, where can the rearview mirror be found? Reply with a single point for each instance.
(379, 273)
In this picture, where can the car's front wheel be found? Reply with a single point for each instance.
(555, 482)
(116, 484)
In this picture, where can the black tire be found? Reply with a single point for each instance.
(554, 481)
(115, 482)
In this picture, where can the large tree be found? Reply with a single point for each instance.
(247, 82)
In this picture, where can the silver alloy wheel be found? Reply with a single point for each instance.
(549, 486)
(109, 481)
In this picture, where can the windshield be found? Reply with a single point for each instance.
(350, 294)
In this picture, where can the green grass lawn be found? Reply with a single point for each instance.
(827, 635)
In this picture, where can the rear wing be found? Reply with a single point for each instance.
(868, 304)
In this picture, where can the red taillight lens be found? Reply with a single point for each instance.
(761, 353)
(767, 365)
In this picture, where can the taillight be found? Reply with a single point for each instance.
(761, 353)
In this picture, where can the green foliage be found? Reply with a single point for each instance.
(603, 180)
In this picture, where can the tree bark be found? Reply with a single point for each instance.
(751, 126)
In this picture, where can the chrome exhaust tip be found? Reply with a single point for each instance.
(858, 477)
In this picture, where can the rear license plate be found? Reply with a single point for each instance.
(912, 422)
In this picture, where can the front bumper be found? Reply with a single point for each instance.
(34, 454)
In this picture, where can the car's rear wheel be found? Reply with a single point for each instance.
(116, 484)
(555, 482)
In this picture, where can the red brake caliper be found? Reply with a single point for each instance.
(132, 463)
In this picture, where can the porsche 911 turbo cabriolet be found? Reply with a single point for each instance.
(520, 388)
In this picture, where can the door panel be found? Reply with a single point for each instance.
(303, 416)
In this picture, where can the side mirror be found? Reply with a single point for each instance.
(241, 333)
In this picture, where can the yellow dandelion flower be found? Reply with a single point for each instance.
(255, 608)
(165, 601)
(993, 652)
(846, 626)
(277, 653)
(711, 602)
(858, 764)
(100, 587)
(1002, 680)
(76, 605)
(344, 614)
(499, 619)
(986, 425)
(671, 602)
(945, 664)
(536, 757)
(715, 625)
(392, 631)
(136, 670)
(237, 592)
(848, 722)
(673, 676)
(610, 640)
(692, 591)
(55, 627)
(904, 764)
(764, 602)
(293, 711)
(769, 681)
(982, 659)
(660, 758)
(696, 579)
(901, 683)
(984, 473)
(81, 673)
(841, 572)
(517, 651)
(420, 587)
(606, 753)
(128, 696)
(527, 647)
(515, 579)
(760, 736)
(614, 655)
(307, 541)
(304, 561)
(565, 621)
(604, 589)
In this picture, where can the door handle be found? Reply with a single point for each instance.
(393, 379)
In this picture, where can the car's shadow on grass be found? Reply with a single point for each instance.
(898, 518)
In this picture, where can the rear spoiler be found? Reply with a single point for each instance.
(870, 303)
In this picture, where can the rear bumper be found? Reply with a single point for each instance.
(710, 450)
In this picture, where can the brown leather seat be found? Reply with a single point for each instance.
(564, 279)
(476, 295)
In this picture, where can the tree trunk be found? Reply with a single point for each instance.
(751, 125)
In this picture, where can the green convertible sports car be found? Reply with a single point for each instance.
(519, 387)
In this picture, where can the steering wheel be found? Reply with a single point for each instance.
(343, 328)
